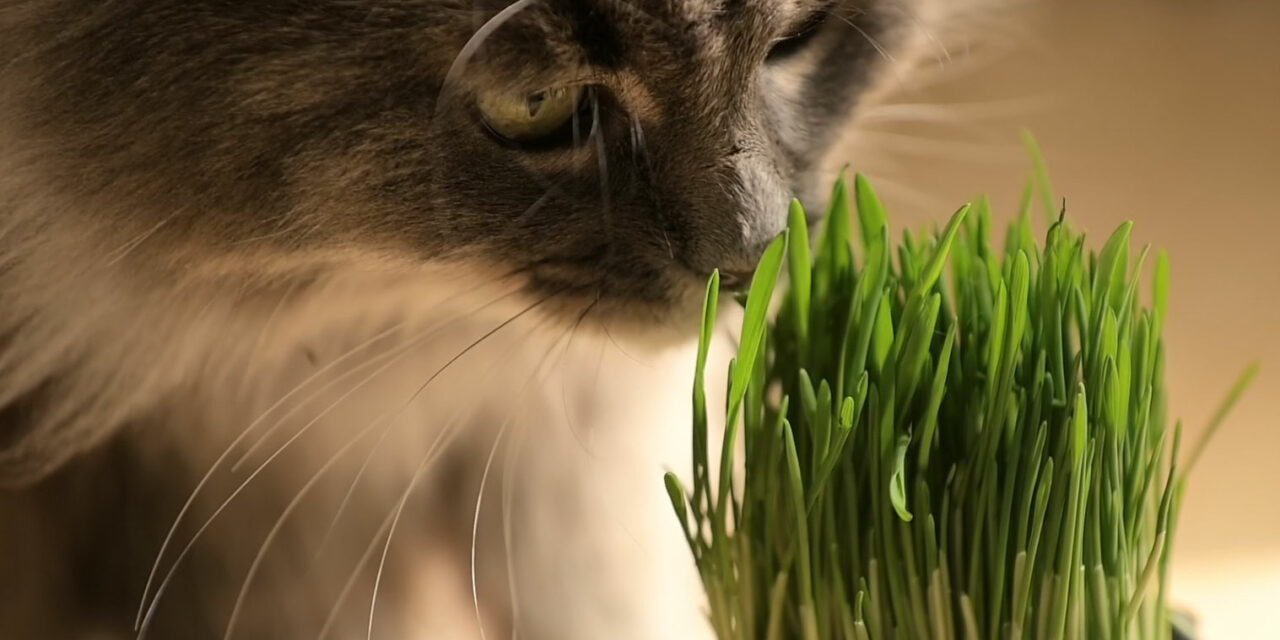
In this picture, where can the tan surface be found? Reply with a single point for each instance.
(1166, 112)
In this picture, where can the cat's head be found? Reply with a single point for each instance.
(611, 149)
(601, 154)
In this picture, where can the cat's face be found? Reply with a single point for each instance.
(608, 150)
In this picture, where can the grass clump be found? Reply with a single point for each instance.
(962, 442)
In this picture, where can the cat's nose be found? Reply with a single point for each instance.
(738, 264)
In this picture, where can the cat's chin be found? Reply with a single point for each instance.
(668, 322)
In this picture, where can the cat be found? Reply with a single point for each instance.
(346, 318)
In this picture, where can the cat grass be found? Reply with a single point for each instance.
(940, 438)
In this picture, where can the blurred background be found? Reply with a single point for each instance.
(1167, 113)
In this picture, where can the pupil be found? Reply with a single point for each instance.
(535, 103)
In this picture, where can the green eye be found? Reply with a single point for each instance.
(529, 117)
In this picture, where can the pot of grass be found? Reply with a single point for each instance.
(939, 437)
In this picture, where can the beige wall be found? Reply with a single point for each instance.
(1166, 112)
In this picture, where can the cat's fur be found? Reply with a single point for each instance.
(284, 216)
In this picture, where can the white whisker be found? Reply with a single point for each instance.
(564, 400)
(538, 204)
(880, 48)
(536, 374)
(954, 113)
(150, 610)
(345, 592)
(395, 353)
(475, 524)
(602, 162)
(422, 467)
(604, 325)
(395, 520)
(438, 446)
(508, 490)
(469, 49)
(204, 480)
(186, 550)
(267, 325)
(484, 377)
(128, 247)
(279, 524)
(933, 147)
(932, 37)
(350, 373)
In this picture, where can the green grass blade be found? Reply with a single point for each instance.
(1220, 414)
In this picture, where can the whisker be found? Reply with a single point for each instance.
(434, 450)
(638, 145)
(966, 64)
(395, 520)
(351, 488)
(564, 401)
(884, 53)
(312, 481)
(377, 581)
(204, 480)
(279, 233)
(595, 377)
(508, 492)
(303, 492)
(602, 161)
(538, 204)
(128, 247)
(472, 346)
(408, 346)
(604, 325)
(150, 610)
(279, 524)
(345, 592)
(186, 550)
(346, 498)
(267, 325)
(933, 147)
(484, 478)
(576, 127)
(932, 37)
(949, 113)
(350, 373)
(469, 49)
(475, 525)
(639, 151)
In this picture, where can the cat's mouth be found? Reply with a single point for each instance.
(642, 298)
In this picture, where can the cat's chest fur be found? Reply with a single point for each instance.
(310, 454)
(519, 472)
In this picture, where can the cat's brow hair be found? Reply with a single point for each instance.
(782, 10)
(673, 17)
(802, 11)
(692, 24)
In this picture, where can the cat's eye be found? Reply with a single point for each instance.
(798, 37)
(530, 117)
